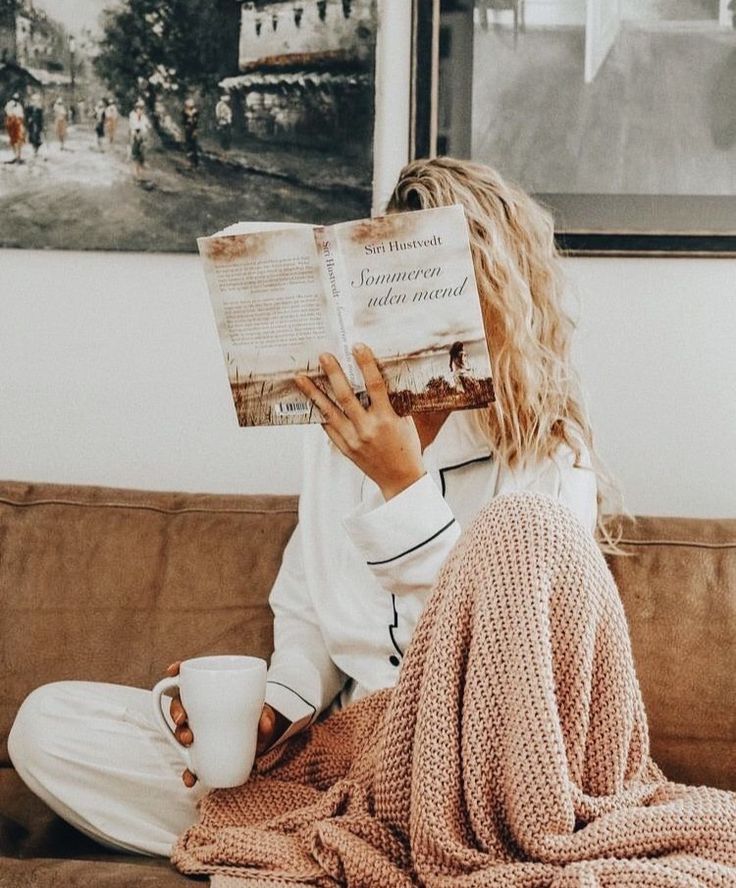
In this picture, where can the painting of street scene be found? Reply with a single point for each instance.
(143, 124)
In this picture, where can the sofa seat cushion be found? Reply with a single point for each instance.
(39, 849)
(119, 873)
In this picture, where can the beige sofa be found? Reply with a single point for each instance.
(112, 585)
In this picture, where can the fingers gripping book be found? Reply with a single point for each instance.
(402, 284)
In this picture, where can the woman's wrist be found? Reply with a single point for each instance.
(271, 725)
(398, 484)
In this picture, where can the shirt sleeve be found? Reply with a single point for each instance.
(405, 540)
(302, 679)
(564, 477)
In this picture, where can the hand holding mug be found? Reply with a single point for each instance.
(268, 725)
(217, 732)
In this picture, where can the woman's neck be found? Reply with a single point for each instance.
(429, 424)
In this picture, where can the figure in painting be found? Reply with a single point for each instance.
(15, 126)
(224, 119)
(111, 120)
(190, 122)
(61, 121)
(139, 128)
(34, 121)
(100, 109)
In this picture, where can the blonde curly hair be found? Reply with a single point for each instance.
(538, 403)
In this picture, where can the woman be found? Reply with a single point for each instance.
(61, 121)
(383, 502)
(111, 120)
(15, 126)
(138, 126)
(463, 377)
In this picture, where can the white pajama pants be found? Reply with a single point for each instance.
(93, 753)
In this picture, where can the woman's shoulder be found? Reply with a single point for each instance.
(573, 453)
(566, 475)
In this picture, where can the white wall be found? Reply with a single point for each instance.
(655, 348)
(110, 373)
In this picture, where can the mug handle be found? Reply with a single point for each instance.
(158, 691)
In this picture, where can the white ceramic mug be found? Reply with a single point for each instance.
(223, 697)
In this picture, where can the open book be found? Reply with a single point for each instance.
(403, 284)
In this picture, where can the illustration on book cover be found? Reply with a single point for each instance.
(401, 283)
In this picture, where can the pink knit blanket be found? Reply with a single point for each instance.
(513, 751)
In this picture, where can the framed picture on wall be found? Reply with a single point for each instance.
(618, 115)
(131, 125)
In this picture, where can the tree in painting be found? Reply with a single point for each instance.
(159, 46)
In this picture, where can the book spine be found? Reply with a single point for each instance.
(329, 251)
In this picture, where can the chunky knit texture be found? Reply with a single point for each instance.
(513, 751)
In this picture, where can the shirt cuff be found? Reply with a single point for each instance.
(291, 705)
(403, 524)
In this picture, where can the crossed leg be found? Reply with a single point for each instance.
(93, 753)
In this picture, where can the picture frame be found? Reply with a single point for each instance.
(589, 223)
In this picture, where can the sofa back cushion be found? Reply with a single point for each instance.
(679, 591)
(113, 585)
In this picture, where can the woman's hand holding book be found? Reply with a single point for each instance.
(382, 444)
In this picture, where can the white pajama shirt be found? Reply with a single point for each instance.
(357, 570)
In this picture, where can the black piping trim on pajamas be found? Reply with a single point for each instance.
(460, 466)
(282, 685)
(393, 659)
(414, 548)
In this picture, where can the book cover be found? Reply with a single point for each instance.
(401, 283)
